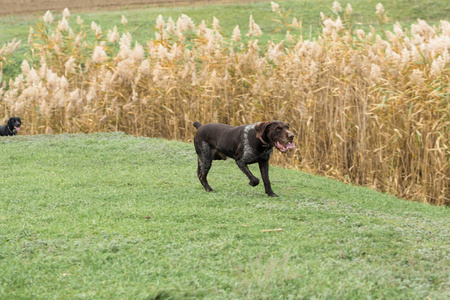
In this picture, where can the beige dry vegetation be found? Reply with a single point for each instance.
(365, 109)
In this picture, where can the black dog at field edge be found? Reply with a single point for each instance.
(11, 127)
(246, 144)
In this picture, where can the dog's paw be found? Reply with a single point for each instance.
(254, 182)
(272, 194)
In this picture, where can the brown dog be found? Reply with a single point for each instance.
(246, 144)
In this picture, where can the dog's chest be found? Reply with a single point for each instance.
(251, 157)
(250, 154)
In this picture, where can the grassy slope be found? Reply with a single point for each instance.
(114, 216)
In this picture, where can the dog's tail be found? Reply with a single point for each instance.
(197, 125)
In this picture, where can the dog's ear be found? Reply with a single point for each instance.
(261, 127)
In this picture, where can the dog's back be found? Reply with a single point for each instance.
(219, 136)
(4, 130)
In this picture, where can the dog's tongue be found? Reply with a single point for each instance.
(284, 148)
(17, 128)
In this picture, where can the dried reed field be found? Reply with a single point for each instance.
(368, 108)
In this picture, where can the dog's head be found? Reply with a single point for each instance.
(14, 124)
(275, 133)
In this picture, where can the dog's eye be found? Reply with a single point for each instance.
(278, 129)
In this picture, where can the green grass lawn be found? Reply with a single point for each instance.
(110, 216)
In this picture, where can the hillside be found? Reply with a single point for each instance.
(111, 216)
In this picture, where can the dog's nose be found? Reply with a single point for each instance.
(290, 136)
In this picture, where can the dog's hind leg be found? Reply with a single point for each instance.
(204, 164)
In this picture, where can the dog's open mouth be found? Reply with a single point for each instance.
(16, 128)
(284, 148)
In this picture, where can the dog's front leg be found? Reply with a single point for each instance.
(244, 168)
(264, 168)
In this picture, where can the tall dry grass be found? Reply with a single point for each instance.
(365, 109)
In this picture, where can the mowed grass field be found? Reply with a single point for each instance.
(141, 20)
(111, 216)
